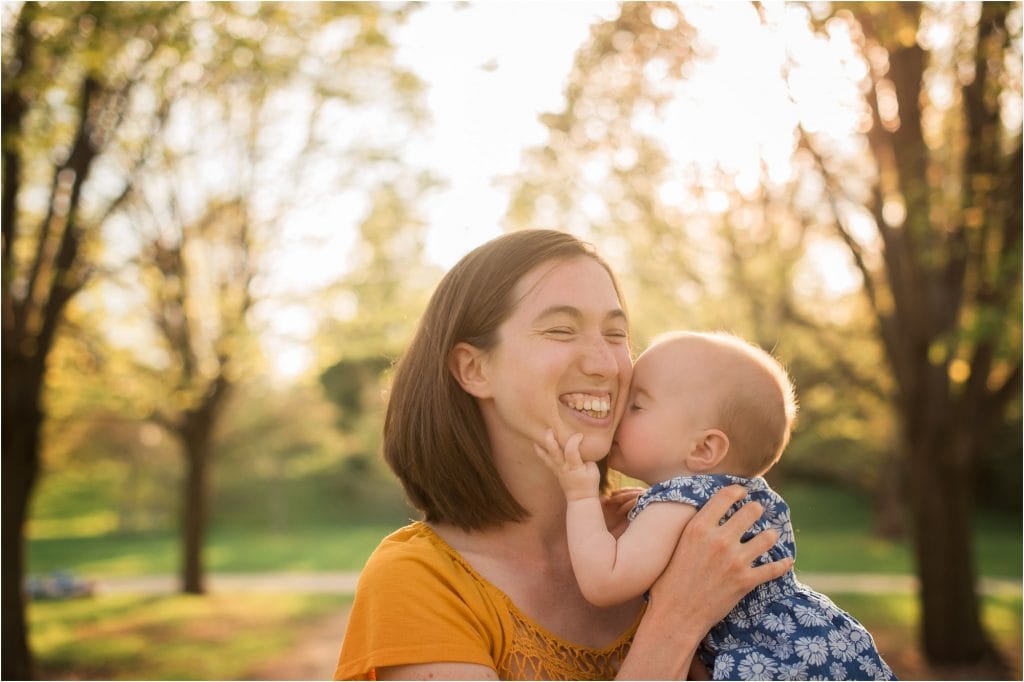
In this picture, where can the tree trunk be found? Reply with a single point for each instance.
(889, 499)
(22, 420)
(196, 440)
(941, 499)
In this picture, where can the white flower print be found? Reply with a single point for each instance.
(730, 642)
(778, 622)
(703, 485)
(763, 640)
(723, 667)
(840, 646)
(813, 650)
(783, 648)
(860, 639)
(741, 620)
(809, 617)
(838, 671)
(785, 528)
(757, 666)
(793, 671)
(868, 665)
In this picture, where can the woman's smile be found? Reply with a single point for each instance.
(596, 406)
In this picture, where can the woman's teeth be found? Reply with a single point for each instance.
(595, 406)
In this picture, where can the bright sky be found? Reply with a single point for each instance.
(492, 67)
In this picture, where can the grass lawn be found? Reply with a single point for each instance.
(214, 637)
(833, 535)
(892, 620)
(833, 531)
(222, 637)
(237, 550)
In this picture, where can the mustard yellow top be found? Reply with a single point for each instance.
(418, 601)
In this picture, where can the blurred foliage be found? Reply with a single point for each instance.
(709, 243)
(144, 148)
(747, 265)
(386, 288)
(890, 147)
(707, 247)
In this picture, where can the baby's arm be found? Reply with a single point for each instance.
(610, 571)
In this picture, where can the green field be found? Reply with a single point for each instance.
(176, 637)
(223, 637)
(833, 530)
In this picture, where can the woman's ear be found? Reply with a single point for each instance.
(466, 362)
(708, 452)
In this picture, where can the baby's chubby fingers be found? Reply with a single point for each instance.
(545, 457)
(572, 449)
(554, 450)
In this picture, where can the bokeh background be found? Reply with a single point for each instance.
(221, 222)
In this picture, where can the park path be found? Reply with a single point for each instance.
(316, 654)
(314, 658)
(345, 583)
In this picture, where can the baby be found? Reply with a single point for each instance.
(707, 410)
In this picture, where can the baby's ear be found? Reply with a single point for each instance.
(708, 452)
(466, 362)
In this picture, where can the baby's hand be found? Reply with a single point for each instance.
(579, 479)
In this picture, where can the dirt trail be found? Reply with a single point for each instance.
(313, 658)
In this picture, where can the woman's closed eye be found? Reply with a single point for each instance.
(617, 335)
(560, 331)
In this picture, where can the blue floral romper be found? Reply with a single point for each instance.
(782, 629)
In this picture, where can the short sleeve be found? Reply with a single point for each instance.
(412, 605)
(691, 490)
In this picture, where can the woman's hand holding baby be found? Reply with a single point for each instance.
(710, 571)
(579, 480)
(712, 566)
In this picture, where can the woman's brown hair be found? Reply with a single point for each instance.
(435, 439)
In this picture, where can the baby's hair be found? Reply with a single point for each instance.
(760, 405)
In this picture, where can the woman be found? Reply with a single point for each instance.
(526, 333)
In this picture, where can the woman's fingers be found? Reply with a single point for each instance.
(624, 499)
(770, 571)
(720, 503)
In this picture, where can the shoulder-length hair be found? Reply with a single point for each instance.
(435, 439)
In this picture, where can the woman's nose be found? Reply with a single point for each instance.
(599, 358)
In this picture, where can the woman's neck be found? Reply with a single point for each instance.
(540, 536)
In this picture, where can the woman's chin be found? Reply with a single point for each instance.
(594, 448)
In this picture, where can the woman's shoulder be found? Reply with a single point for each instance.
(416, 603)
(407, 546)
(414, 556)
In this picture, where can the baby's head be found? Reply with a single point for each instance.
(704, 403)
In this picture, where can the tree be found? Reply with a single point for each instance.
(87, 90)
(710, 242)
(199, 305)
(201, 266)
(945, 202)
(387, 284)
(69, 76)
(921, 189)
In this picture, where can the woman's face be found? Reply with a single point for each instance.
(562, 360)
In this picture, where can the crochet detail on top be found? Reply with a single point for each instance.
(534, 655)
